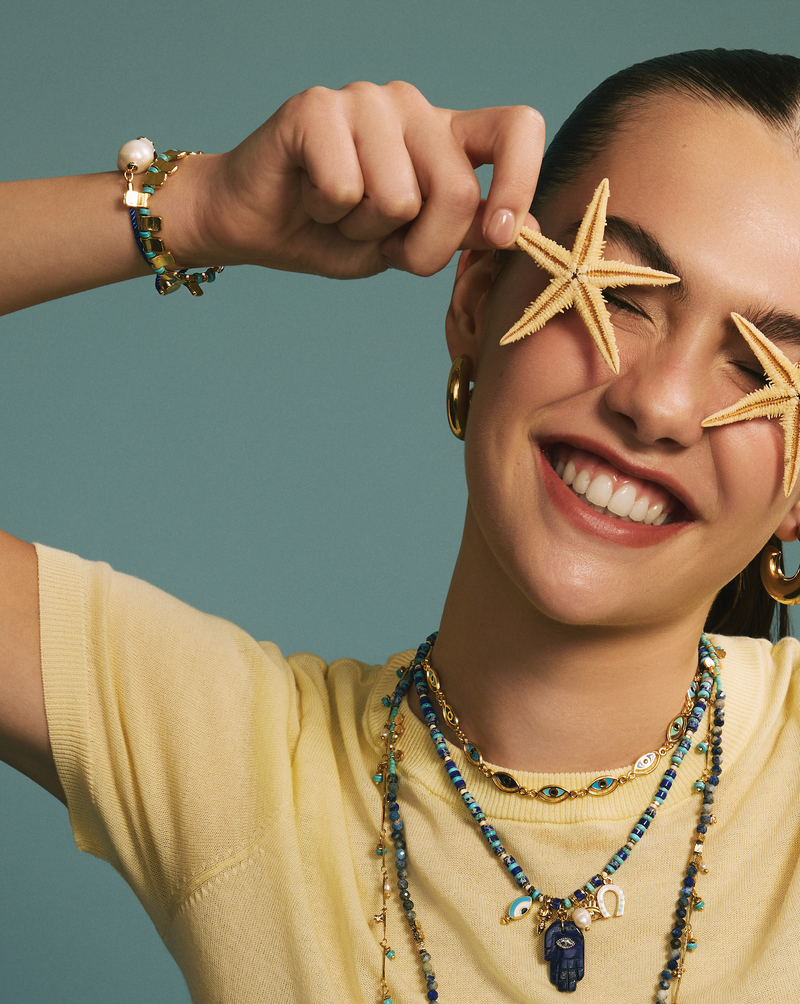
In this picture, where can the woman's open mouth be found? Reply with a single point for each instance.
(609, 491)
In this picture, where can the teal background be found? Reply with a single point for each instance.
(276, 452)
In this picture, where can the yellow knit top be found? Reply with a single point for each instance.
(232, 789)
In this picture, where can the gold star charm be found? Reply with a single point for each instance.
(779, 398)
(578, 277)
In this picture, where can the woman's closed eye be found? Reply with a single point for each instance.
(620, 303)
(751, 369)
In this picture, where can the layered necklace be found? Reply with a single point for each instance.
(562, 919)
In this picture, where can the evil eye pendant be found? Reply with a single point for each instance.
(602, 785)
(646, 763)
(553, 793)
(518, 909)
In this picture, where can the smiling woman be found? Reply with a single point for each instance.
(571, 704)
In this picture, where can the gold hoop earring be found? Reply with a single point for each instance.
(458, 395)
(781, 588)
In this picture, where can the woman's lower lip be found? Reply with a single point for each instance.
(618, 531)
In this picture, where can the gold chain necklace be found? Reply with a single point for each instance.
(555, 792)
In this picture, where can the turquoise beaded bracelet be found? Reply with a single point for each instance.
(131, 160)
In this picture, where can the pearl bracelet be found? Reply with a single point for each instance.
(131, 160)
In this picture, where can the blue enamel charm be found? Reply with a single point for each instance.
(519, 908)
(563, 949)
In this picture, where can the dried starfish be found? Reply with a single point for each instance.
(578, 277)
(779, 398)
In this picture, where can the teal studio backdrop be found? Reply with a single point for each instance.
(276, 452)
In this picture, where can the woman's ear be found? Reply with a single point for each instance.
(475, 275)
(789, 525)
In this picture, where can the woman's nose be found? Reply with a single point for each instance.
(662, 396)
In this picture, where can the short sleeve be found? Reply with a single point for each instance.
(137, 683)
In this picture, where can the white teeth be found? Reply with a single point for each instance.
(653, 513)
(600, 495)
(640, 507)
(623, 500)
(600, 491)
(581, 482)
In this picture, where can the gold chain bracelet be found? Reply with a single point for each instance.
(146, 225)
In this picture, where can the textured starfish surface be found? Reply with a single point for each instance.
(578, 277)
(779, 398)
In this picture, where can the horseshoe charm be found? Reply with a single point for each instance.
(600, 898)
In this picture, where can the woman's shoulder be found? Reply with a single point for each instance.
(761, 674)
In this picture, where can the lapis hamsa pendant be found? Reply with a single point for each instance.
(564, 938)
(563, 949)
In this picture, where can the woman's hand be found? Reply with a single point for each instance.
(339, 183)
(348, 183)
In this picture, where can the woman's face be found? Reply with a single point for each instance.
(719, 193)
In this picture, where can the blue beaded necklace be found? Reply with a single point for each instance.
(568, 916)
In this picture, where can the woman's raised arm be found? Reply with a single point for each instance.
(338, 183)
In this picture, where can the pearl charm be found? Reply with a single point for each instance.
(140, 152)
(581, 918)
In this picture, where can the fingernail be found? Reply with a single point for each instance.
(500, 228)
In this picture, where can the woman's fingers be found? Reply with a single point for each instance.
(392, 196)
(342, 182)
(451, 194)
(453, 215)
(512, 139)
(474, 237)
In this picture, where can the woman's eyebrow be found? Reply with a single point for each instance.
(777, 325)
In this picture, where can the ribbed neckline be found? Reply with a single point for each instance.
(743, 672)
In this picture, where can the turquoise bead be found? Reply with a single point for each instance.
(567, 903)
(700, 905)
(149, 189)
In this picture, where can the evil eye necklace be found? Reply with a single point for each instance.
(563, 920)
(602, 785)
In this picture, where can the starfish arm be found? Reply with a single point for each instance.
(546, 253)
(766, 402)
(778, 368)
(621, 273)
(588, 246)
(791, 448)
(558, 295)
(592, 308)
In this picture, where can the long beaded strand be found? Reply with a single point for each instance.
(387, 776)
(682, 938)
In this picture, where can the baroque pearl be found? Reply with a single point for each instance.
(581, 918)
(140, 152)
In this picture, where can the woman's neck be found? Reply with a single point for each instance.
(542, 696)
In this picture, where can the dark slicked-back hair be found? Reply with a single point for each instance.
(762, 83)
